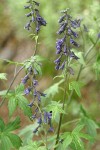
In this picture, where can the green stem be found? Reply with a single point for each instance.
(81, 68)
(90, 49)
(61, 115)
(70, 122)
(77, 78)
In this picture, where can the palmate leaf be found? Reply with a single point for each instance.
(6, 144)
(3, 76)
(76, 85)
(77, 144)
(31, 146)
(67, 140)
(90, 124)
(78, 128)
(13, 125)
(15, 139)
(53, 90)
(17, 99)
(9, 140)
(56, 109)
(73, 139)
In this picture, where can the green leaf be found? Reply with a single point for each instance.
(78, 128)
(56, 109)
(13, 125)
(23, 104)
(39, 58)
(31, 146)
(91, 127)
(76, 85)
(27, 132)
(38, 68)
(15, 140)
(83, 111)
(76, 142)
(19, 89)
(36, 38)
(52, 90)
(3, 76)
(2, 125)
(67, 141)
(86, 136)
(12, 104)
(5, 143)
(81, 58)
(2, 93)
(9, 140)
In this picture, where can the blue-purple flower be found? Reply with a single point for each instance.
(36, 18)
(64, 45)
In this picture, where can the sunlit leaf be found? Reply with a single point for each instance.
(76, 85)
(52, 90)
(56, 109)
(3, 76)
(76, 142)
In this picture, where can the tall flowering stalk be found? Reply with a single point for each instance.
(65, 44)
(64, 51)
(34, 15)
(42, 117)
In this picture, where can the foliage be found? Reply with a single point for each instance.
(8, 139)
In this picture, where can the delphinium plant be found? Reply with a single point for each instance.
(48, 114)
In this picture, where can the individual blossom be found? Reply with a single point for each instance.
(25, 79)
(27, 90)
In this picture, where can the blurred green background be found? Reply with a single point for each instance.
(16, 45)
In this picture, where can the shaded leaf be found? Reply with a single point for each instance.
(52, 90)
(5, 143)
(13, 125)
(2, 125)
(15, 140)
